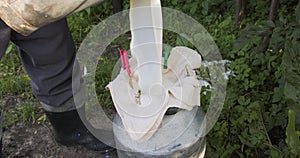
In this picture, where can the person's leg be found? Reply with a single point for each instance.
(4, 37)
(48, 56)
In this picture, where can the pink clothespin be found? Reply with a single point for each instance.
(127, 66)
(122, 59)
(125, 62)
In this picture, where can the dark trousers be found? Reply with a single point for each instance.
(48, 57)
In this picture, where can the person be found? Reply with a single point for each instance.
(48, 56)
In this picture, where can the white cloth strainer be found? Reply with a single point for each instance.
(143, 98)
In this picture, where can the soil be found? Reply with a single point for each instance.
(36, 141)
(27, 140)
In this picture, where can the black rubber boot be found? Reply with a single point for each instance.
(70, 131)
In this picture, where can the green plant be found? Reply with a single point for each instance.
(24, 111)
(263, 89)
(293, 136)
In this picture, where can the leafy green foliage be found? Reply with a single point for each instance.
(264, 84)
(293, 136)
(290, 87)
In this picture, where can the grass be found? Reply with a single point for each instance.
(17, 100)
(14, 80)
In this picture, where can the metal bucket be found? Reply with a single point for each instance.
(189, 142)
(26, 16)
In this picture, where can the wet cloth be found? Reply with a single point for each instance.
(143, 97)
(180, 89)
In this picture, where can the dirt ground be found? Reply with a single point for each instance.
(36, 141)
(27, 140)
